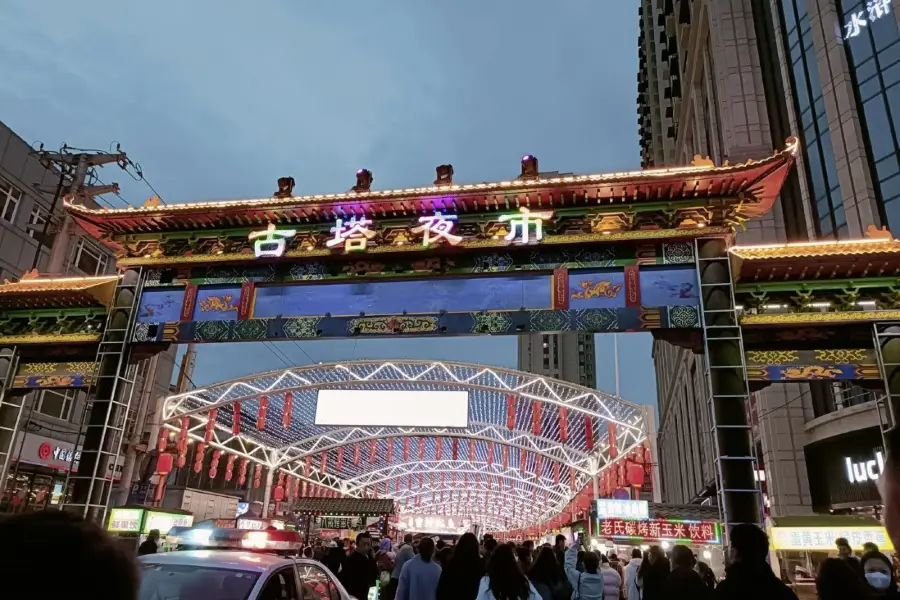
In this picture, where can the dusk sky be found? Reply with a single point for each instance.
(216, 99)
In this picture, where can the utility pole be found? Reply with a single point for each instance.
(74, 169)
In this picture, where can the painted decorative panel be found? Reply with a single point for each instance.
(158, 305)
(217, 304)
(669, 286)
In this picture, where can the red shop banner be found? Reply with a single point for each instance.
(694, 532)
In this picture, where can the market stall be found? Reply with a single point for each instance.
(344, 517)
(131, 524)
(799, 544)
(622, 525)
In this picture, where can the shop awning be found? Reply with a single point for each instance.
(817, 533)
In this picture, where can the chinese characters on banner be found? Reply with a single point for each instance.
(353, 234)
(338, 522)
(822, 538)
(704, 532)
(856, 21)
(125, 520)
(622, 509)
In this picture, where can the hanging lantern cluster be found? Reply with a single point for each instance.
(261, 412)
(229, 467)
(257, 475)
(214, 464)
(199, 455)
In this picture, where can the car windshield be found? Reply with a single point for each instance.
(184, 582)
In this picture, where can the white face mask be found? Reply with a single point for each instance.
(877, 580)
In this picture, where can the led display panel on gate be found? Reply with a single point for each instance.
(393, 408)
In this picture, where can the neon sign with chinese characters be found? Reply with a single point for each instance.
(608, 508)
(355, 233)
(875, 9)
(692, 532)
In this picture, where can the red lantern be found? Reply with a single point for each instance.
(588, 432)
(505, 457)
(308, 466)
(198, 457)
(210, 425)
(183, 432)
(372, 446)
(214, 463)
(242, 473)
(236, 419)
(471, 449)
(536, 417)
(555, 473)
(635, 475)
(613, 450)
(261, 412)
(324, 464)
(340, 458)
(510, 411)
(163, 442)
(523, 460)
(257, 474)
(288, 408)
(437, 448)
(389, 455)
(490, 453)
(356, 454)
(164, 463)
(455, 449)
(182, 459)
(421, 449)
(229, 467)
(405, 449)
(278, 493)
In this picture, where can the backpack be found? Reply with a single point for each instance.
(384, 562)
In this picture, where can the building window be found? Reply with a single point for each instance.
(89, 258)
(36, 221)
(10, 196)
(831, 221)
(56, 403)
(874, 55)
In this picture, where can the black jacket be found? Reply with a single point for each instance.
(685, 584)
(358, 574)
(653, 578)
(752, 582)
(147, 547)
(459, 582)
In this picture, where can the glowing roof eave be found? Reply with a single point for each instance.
(756, 184)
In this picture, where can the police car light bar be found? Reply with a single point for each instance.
(238, 539)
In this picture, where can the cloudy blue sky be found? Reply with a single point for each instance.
(218, 98)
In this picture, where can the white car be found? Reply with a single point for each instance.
(235, 575)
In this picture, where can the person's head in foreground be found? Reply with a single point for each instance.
(870, 547)
(560, 542)
(96, 566)
(363, 543)
(838, 580)
(879, 573)
(592, 561)
(505, 578)
(749, 544)
(682, 557)
(426, 549)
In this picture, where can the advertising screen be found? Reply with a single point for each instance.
(166, 521)
(125, 520)
(391, 408)
(844, 470)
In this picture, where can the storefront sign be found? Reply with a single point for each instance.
(858, 20)
(822, 538)
(166, 521)
(622, 509)
(870, 470)
(56, 454)
(692, 532)
(843, 471)
(337, 522)
(125, 520)
(433, 524)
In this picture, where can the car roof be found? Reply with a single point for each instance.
(219, 559)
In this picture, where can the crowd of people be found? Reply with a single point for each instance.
(99, 568)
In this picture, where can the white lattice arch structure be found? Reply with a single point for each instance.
(499, 489)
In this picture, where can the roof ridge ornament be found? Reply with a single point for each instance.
(30, 275)
(873, 232)
(701, 161)
(152, 202)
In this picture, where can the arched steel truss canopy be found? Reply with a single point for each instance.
(499, 489)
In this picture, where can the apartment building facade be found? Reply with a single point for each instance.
(567, 356)
(731, 81)
(47, 436)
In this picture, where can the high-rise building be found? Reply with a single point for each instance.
(567, 356)
(731, 81)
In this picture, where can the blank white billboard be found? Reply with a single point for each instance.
(389, 408)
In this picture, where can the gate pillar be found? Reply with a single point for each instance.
(738, 491)
(106, 409)
(11, 406)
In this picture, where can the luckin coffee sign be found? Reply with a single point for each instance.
(843, 471)
(861, 472)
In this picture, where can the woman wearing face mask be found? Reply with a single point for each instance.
(879, 573)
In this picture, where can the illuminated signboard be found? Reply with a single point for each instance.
(166, 521)
(433, 524)
(622, 509)
(856, 21)
(866, 470)
(822, 538)
(353, 234)
(393, 408)
(125, 520)
(337, 522)
(691, 532)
